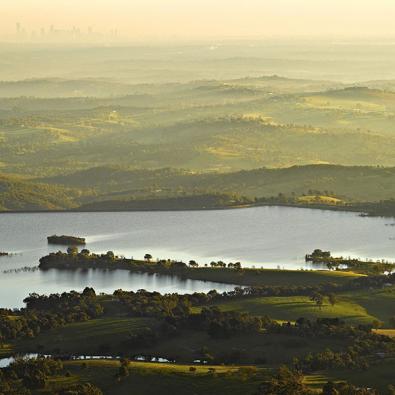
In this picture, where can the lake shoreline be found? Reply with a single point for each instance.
(273, 237)
(346, 209)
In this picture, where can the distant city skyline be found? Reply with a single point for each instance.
(198, 19)
(55, 33)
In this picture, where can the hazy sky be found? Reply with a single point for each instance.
(205, 18)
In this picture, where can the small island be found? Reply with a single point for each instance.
(356, 265)
(66, 240)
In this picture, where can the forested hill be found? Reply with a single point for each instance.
(124, 186)
(21, 195)
(194, 202)
(350, 183)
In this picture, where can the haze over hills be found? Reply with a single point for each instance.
(153, 121)
(335, 59)
(202, 125)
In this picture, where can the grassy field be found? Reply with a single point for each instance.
(106, 337)
(263, 349)
(5, 350)
(386, 332)
(93, 337)
(380, 303)
(319, 199)
(271, 276)
(378, 376)
(292, 308)
(151, 378)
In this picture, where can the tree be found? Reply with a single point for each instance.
(89, 292)
(81, 389)
(148, 257)
(332, 299)
(193, 264)
(284, 382)
(72, 250)
(110, 255)
(85, 252)
(318, 299)
(123, 371)
(376, 324)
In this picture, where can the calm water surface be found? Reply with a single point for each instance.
(262, 236)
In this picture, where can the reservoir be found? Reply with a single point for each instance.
(272, 237)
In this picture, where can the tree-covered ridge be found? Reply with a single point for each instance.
(18, 194)
(351, 183)
(366, 189)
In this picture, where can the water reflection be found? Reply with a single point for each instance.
(263, 236)
(5, 362)
(54, 281)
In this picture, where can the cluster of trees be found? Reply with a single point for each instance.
(28, 376)
(47, 312)
(363, 343)
(220, 324)
(335, 328)
(329, 359)
(291, 382)
(85, 259)
(316, 293)
(192, 202)
(317, 255)
(230, 265)
(369, 267)
(146, 337)
(154, 304)
(175, 311)
(75, 259)
(384, 208)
